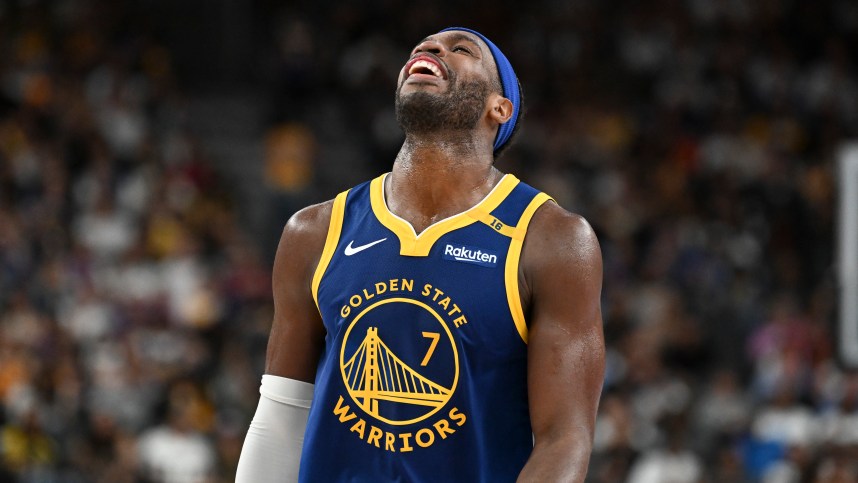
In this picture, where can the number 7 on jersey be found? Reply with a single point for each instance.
(435, 336)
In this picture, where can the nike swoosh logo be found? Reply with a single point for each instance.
(349, 251)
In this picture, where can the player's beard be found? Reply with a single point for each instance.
(459, 109)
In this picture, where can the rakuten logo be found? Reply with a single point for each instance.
(464, 253)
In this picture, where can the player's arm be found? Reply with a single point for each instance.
(297, 334)
(561, 271)
(272, 448)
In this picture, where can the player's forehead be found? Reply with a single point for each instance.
(453, 36)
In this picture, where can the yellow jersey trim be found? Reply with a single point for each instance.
(413, 245)
(512, 261)
(334, 228)
(495, 224)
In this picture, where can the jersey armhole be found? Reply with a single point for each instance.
(512, 261)
(331, 242)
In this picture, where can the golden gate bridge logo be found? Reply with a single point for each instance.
(374, 373)
(380, 381)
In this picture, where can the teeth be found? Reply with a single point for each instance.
(424, 64)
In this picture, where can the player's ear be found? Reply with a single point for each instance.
(500, 108)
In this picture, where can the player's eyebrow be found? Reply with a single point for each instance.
(457, 37)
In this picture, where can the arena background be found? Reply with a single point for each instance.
(151, 151)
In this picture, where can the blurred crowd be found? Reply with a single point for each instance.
(698, 137)
(134, 311)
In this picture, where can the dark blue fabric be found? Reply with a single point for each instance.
(482, 433)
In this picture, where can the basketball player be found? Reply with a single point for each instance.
(442, 321)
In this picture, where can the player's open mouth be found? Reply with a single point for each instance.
(425, 65)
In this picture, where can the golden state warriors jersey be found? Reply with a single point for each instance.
(424, 372)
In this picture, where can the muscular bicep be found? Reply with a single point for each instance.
(565, 370)
(566, 346)
(297, 333)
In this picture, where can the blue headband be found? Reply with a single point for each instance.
(509, 84)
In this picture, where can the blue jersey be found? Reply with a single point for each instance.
(424, 371)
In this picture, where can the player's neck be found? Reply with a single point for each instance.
(433, 181)
(456, 154)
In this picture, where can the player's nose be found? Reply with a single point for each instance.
(430, 46)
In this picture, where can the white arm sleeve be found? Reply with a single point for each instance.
(272, 448)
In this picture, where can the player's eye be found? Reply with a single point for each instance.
(459, 48)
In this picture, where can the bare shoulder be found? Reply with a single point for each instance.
(310, 222)
(558, 241)
(303, 240)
